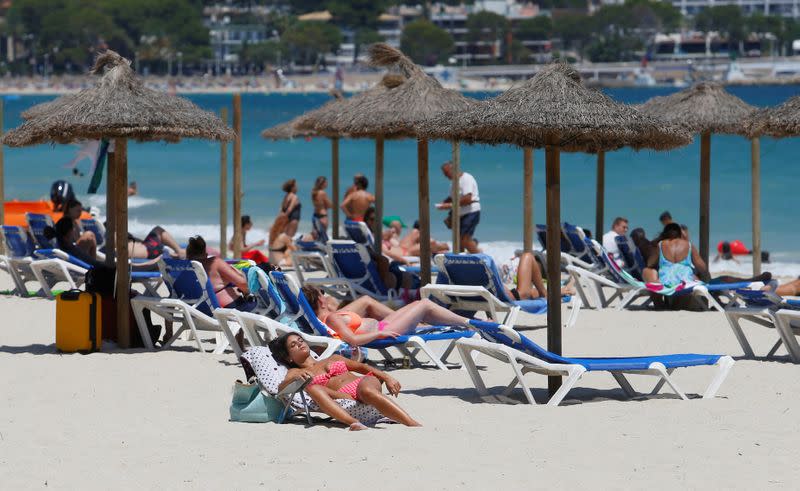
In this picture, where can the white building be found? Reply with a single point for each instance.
(786, 8)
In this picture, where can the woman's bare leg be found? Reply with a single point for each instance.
(328, 405)
(650, 275)
(369, 307)
(529, 277)
(410, 316)
(791, 289)
(369, 392)
(88, 242)
(169, 241)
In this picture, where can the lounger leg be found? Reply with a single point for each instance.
(627, 299)
(41, 278)
(575, 374)
(734, 320)
(576, 309)
(520, 378)
(230, 340)
(725, 364)
(624, 383)
(466, 358)
(190, 322)
(425, 348)
(138, 314)
(775, 348)
(511, 317)
(660, 383)
(662, 371)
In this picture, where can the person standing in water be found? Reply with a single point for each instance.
(358, 201)
(322, 203)
(290, 206)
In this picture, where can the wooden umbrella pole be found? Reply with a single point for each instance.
(600, 196)
(377, 228)
(705, 193)
(755, 158)
(455, 223)
(424, 212)
(527, 199)
(111, 214)
(123, 269)
(553, 178)
(237, 176)
(223, 190)
(335, 184)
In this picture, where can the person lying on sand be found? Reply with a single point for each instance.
(334, 378)
(360, 323)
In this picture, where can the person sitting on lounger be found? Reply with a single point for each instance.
(361, 323)
(67, 235)
(334, 378)
(281, 244)
(410, 243)
(249, 251)
(674, 260)
(86, 239)
(357, 202)
(530, 283)
(224, 278)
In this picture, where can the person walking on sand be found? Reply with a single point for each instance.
(359, 200)
(322, 203)
(290, 206)
(470, 206)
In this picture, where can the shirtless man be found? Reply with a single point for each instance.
(357, 202)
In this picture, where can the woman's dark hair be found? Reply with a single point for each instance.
(246, 220)
(638, 235)
(319, 184)
(726, 251)
(196, 249)
(288, 185)
(63, 227)
(671, 231)
(279, 350)
(312, 294)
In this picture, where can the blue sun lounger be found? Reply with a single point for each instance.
(471, 283)
(37, 222)
(507, 345)
(18, 257)
(409, 345)
(359, 233)
(767, 309)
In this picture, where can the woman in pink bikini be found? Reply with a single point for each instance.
(366, 319)
(333, 378)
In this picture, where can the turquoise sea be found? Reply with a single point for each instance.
(178, 183)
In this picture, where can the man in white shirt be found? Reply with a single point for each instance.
(470, 207)
(619, 227)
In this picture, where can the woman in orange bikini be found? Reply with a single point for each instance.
(333, 378)
(366, 320)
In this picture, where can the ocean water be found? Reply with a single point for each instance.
(179, 183)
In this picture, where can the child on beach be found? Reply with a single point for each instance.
(334, 378)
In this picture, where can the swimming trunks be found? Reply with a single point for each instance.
(320, 215)
(281, 249)
(351, 389)
(515, 294)
(153, 243)
(469, 222)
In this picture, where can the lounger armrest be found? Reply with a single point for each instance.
(337, 286)
(441, 292)
(583, 272)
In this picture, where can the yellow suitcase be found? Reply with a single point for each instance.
(78, 322)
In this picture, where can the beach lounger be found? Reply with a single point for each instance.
(310, 256)
(359, 233)
(18, 258)
(634, 262)
(472, 283)
(37, 222)
(94, 226)
(507, 345)
(258, 362)
(409, 345)
(191, 305)
(354, 274)
(767, 309)
(566, 254)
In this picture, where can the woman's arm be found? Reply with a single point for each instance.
(326, 201)
(700, 267)
(294, 374)
(391, 384)
(335, 322)
(229, 274)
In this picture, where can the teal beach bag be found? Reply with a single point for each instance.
(250, 405)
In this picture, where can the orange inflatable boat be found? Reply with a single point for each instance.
(15, 211)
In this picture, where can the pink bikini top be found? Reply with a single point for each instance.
(334, 369)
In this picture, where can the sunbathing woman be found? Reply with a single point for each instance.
(674, 260)
(281, 244)
(153, 245)
(529, 281)
(290, 206)
(225, 279)
(321, 200)
(333, 378)
(410, 243)
(358, 327)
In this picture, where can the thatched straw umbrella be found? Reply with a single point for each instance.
(556, 111)
(778, 122)
(118, 107)
(286, 131)
(704, 108)
(389, 111)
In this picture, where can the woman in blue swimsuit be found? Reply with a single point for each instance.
(675, 261)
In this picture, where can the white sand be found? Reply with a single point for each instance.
(159, 420)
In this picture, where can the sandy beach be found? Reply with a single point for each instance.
(139, 420)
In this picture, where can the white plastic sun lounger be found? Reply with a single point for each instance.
(769, 310)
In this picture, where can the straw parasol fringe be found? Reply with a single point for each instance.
(704, 107)
(118, 106)
(555, 108)
(778, 122)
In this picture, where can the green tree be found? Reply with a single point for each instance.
(261, 54)
(536, 29)
(486, 26)
(573, 29)
(425, 43)
(309, 41)
(726, 19)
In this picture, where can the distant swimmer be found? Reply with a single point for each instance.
(359, 200)
(133, 189)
